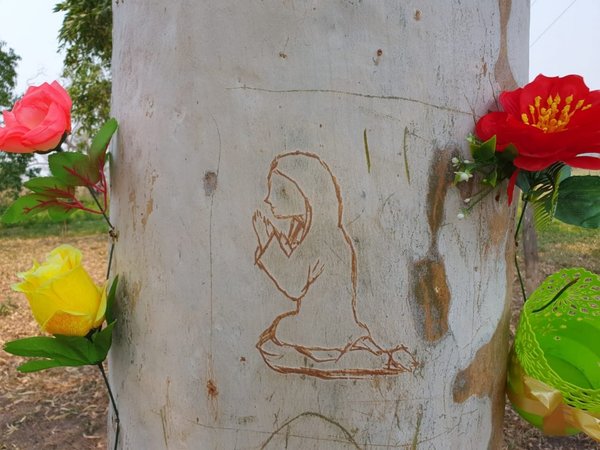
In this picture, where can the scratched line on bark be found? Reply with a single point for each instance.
(353, 94)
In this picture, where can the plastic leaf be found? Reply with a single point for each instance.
(49, 347)
(42, 364)
(492, 178)
(541, 214)
(102, 341)
(23, 207)
(49, 186)
(73, 169)
(578, 201)
(523, 181)
(508, 154)
(110, 301)
(484, 151)
(58, 213)
(100, 142)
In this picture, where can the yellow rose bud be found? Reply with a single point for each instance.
(63, 297)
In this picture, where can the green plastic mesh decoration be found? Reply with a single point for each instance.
(558, 338)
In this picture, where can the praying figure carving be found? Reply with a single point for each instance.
(309, 257)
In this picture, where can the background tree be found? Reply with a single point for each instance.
(13, 166)
(8, 74)
(86, 35)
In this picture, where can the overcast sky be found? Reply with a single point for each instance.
(31, 29)
(564, 36)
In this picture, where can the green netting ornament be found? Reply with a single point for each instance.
(554, 367)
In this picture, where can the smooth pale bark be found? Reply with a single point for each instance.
(294, 272)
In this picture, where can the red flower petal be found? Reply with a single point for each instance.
(549, 120)
(584, 162)
(532, 164)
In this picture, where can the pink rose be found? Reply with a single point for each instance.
(38, 121)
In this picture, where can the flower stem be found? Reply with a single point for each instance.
(477, 197)
(519, 223)
(521, 216)
(114, 404)
(110, 258)
(102, 210)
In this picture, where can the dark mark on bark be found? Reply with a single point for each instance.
(415, 441)
(405, 147)
(502, 70)
(367, 155)
(429, 283)
(210, 183)
(211, 388)
(486, 376)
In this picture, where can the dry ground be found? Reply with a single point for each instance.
(65, 409)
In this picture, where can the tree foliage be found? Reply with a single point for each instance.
(86, 36)
(12, 165)
(12, 168)
(8, 74)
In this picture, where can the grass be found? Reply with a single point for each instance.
(78, 224)
(560, 233)
(569, 246)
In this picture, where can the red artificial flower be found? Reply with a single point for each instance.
(551, 119)
(38, 121)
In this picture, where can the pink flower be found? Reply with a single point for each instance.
(38, 121)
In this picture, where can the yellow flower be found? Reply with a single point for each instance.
(62, 296)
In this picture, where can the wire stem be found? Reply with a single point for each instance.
(522, 215)
(113, 403)
(110, 258)
(102, 210)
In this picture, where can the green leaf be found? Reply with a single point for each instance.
(100, 142)
(578, 201)
(62, 350)
(542, 214)
(509, 153)
(49, 186)
(559, 172)
(564, 172)
(48, 347)
(23, 207)
(484, 151)
(42, 364)
(59, 213)
(492, 178)
(110, 301)
(73, 169)
(523, 181)
(102, 341)
(82, 346)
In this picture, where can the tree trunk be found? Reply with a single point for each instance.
(294, 272)
(530, 252)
